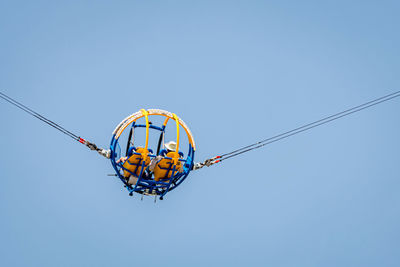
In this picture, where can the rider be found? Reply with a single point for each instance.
(169, 147)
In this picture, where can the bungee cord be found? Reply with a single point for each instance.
(168, 171)
(37, 115)
(225, 156)
(90, 145)
(333, 117)
(298, 130)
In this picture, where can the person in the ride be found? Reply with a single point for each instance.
(131, 179)
(169, 147)
(132, 160)
(168, 164)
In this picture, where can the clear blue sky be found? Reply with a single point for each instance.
(235, 72)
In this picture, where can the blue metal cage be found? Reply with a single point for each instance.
(145, 183)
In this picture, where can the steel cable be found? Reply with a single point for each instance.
(40, 117)
(308, 126)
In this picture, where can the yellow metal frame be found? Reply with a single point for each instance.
(146, 113)
(146, 151)
(176, 157)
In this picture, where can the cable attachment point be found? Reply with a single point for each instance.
(91, 146)
(207, 162)
(104, 152)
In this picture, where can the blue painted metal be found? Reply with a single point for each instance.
(150, 126)
(145, 186)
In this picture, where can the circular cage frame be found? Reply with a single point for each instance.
(150, 186)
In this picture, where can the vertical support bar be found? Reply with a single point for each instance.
(145, 153)
(170, 181)
(130, 141)
(176, 158)
(177, 131)
(146, 115)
